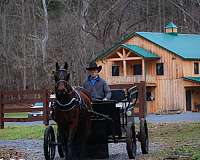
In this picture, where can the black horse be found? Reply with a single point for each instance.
(71, 115)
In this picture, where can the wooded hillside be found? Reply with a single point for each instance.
(34, 34)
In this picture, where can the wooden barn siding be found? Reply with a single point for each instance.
(170, 92)
(170, 95)
(189, 68)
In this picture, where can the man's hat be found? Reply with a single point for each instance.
(93, 65)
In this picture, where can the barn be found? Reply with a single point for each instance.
(168, 62)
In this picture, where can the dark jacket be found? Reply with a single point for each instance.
(99, 90)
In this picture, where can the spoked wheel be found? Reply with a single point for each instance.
(131, 145)
(144, 137)
(60, 145)
(49, 143)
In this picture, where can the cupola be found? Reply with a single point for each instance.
(171, 28)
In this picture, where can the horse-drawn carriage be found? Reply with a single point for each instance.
(91, 130)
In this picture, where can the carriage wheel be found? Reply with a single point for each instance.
(131, 145)
(144, 137)
(49, 143)
(60, 145)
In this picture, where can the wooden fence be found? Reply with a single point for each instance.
(28, 97)
(31, 96)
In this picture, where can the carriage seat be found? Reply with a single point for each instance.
(118, 95)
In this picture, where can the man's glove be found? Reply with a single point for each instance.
(105, 99)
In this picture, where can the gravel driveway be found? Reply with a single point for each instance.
(151, 118)
(174, 118)
(34, 149)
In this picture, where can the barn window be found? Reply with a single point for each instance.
(137, 69)
(196, 68)
(159, 69)
(115, 70)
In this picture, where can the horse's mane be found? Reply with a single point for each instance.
(85, 91)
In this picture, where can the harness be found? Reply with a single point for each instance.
(75, 101)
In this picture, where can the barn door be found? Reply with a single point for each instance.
(188, 100)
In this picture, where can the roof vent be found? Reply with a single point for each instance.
(171, 28)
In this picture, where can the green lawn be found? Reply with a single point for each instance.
(22, 132)
(16, 115)
(180, 140)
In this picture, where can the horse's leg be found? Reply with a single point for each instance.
(84, 134)
(63, 137)
(70, 145)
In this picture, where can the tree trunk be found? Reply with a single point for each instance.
(44, 41)
(23, 44)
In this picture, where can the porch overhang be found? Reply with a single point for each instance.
(140, 51)
(192, 79)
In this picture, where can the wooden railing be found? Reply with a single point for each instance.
(23, 97)
(130, 79)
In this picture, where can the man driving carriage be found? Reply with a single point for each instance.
(97, 87)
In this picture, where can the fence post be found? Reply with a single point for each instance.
(46, 107)
(1, 111)
(142, 99)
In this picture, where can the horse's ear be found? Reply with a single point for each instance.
(66, 66)
(57, 66)
(68, 76)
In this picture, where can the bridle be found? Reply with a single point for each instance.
(65, 82)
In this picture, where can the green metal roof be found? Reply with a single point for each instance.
(194, 79)
(139, 51)
(171, 25)
(187, 46)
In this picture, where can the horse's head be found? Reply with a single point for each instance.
(62, 87)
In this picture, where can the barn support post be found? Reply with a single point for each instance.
(45, 107)
(1, 111)
(142, 100)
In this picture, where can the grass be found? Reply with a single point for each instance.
(196, 156)
(22, 132)
(16, 115)
(176, 140)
